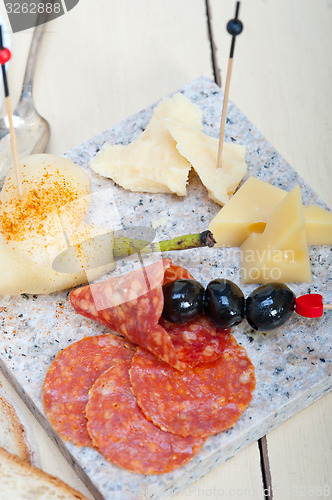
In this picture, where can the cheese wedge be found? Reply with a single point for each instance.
(318, 224)
(201, 151)
(280, 253)
(250, 207)
(245, 212)
(152, 163)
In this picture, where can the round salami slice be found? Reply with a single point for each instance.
(71, 376)
(120, 431)
(200, 401)
(197, 341)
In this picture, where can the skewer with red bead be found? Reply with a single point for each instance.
(267, 307)
(5, 56)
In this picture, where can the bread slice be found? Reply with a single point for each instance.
(21, 481)
(12, 433)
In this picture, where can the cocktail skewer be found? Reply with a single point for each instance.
(234, 28)
(5, 55)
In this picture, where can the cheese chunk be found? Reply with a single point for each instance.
(55, 190)
(249, 208)
(56, 197)
(201, 151)
(22, 275)
(280, 253)
(318, 224)
(243, 214)
(152, 163)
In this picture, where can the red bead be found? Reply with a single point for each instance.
(5, 55)
(310, 305)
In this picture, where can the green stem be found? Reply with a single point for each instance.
(126, 246)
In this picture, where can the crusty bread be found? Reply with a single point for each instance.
(12, 432)
(21, 481)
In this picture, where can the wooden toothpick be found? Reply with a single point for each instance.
(4, 57)
(234, 28)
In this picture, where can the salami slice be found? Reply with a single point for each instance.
(201, 401)
(120, 431)
(71, 376)
(197, 341)
(132, 306)
(174, 272)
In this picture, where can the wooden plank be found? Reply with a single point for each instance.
(214, 59)
(265, 466)
(306, 442)
(281, 80)
(239, 477)
(102, 62)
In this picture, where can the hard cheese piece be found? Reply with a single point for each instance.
(152, 163)
(318, 223)
(56, 197)
(20, 274)
(54, 188)
(250, 205)
(201, 151)
(280, 253)
(249, 208)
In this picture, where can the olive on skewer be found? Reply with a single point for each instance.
(268, 307)
(183, 300)
(224, 303)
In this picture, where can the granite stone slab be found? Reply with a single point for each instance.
(293, 364)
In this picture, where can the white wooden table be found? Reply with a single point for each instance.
(107, 59)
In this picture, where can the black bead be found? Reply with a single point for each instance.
(224, 303)
(270, 306)
(234, 27)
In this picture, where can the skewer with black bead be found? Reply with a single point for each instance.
(234, 28)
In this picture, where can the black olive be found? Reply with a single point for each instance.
(224, 303)
(183, 300)
(270, 306)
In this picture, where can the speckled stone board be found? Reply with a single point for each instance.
(293, 364)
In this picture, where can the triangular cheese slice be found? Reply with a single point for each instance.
(318, 224)
(152, 163)
(245, 212)
(280, 253)
(201, 151)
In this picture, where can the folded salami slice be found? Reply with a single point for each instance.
(132, 305)
(71, 376)
(120, 431)
(201, 401)
(174, 272)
